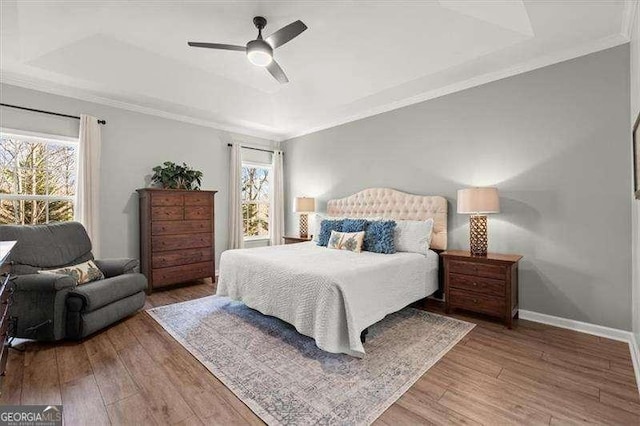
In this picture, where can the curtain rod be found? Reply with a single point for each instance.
(255, 149)
(47, 112)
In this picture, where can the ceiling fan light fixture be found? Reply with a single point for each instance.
(259, 53)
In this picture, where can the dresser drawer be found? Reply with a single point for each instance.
(179, 242)
(168, 227)
(477, 284)
(181, 257)
(476, 302)
(197, 212)
(167, 213)
(177, 274)
(160, 199)
(478, 269)
(197, 199)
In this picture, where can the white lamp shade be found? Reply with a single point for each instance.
(304, 205)
(478, 200)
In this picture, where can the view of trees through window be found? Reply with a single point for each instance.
(37, 180)
(255, 200)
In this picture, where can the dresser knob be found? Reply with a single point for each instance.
(475, 300)
(475, 284)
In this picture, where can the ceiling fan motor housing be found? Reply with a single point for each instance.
(259, 52)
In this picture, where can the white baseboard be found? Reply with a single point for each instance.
(583, 327)
(594, 329)
(635, 357)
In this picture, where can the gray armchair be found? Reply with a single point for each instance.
(51, 306)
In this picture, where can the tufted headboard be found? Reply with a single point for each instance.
(391, 204)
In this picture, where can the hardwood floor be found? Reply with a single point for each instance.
(135, 373)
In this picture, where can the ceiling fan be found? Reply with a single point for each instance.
(260, 51)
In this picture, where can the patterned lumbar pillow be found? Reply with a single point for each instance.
(351, 241)
(325, 230)
(379, 237)
(413, 236)
(83, 272)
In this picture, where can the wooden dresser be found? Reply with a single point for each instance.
(484, 284)
(6, 290)
(177, 235)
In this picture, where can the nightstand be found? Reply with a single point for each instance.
(484, 284)
(293, 240)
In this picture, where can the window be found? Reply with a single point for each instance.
(255, 200)
(37, 178)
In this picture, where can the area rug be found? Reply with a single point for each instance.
(286, 379)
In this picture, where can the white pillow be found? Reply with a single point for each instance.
(413, 235)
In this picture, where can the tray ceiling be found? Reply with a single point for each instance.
(358, 58)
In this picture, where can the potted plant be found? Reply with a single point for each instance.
(173, 176)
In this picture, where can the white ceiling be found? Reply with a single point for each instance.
(357, 58)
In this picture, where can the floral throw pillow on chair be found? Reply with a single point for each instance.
(83, 273)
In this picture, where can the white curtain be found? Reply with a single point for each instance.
(87, 208)
(236, 230)
(276, 206)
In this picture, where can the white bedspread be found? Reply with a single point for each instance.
(329, 295)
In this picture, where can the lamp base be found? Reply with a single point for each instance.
(478, 241)
(304, 225)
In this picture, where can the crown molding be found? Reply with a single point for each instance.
(566, 55)
(27, 82)
(86, 95)
(628, 15)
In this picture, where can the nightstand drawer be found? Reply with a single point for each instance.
(477, 269)
(476, 302)
(477, 284)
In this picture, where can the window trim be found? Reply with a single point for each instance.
(258, 165)
(37, 137)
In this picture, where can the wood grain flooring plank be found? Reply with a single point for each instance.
(40, 381)
(586, 408)
(133, 410)
(12, 382)
(614, 400)
(165, 400)
(432, 411)
(73, 362)
(83, 404)
(112, 377)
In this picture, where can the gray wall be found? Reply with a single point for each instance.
(555, 141)
(132, 144)
(635, 110)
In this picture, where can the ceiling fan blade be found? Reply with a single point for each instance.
(286, 34)
(217, 46)
(277, 72)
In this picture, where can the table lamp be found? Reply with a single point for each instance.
(478, 202)
(304, 206)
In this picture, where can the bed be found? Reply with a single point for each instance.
(334, 295)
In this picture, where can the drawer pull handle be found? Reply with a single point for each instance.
(475, 300)
(475, 284)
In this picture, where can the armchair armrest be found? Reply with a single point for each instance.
(43, 282)
(114, 267)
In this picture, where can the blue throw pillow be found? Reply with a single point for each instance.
(354, 225)
(326, 226)
(379, 237)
